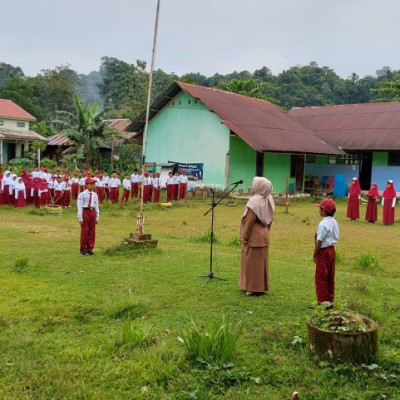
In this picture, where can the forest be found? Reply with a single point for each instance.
(121, 87)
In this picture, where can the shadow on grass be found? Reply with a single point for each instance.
(129, 249)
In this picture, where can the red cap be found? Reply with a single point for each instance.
(66, 170)
(184, 171)
(327, 204)
(146, 174)
(75, 173)
(157, 174)
(66, 178)
(89, 180)
(45, 169)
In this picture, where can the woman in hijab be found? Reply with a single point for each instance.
(353, 205)
(20, 193)
(254, 235)
(13, 184)
(371, 214)
(388, 203)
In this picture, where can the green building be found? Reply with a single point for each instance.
(232, 137)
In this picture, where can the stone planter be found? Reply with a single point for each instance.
(360, 347)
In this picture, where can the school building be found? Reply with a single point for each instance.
(368, 133)
(15, 135)
(231, 136)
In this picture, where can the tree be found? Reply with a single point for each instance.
(86, 129)
(7, 71)
(387, 91)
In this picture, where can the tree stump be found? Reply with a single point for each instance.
(360, 347)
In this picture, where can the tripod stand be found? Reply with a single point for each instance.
(214, 204)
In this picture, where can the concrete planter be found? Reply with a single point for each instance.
(360, 347)
(54, 210)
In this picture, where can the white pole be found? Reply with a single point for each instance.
(140, 218)
(38, 156)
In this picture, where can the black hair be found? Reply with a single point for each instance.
(330, 214)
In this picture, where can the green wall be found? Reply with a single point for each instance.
(187, 131)
(242, 162)
(276, 169)
(380, 158)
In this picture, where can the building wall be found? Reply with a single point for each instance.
(321, 170)
(276, 169)
(187, 131)
(13, 124)
(242, 162)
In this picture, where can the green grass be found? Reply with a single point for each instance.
(63, 316)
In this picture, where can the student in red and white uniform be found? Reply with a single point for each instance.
(183, 182)
(88, 217)
(12, 188)
(136, 179)
(58, 192)
(354, 197)
(51, 187)
(100, 189)
(157, 188)
(44, 195)
(150, 182)
(1, 182)
(66, 188)
(388, 203)
(35, 173)
(175, 185)
(20, 193)
(82, 181)
(169, 184)
(114, 185)
(106, 180)
(35, 191)
(146, 188)
(74, 186)
(126, 183)
(28, 186)
(5, 188)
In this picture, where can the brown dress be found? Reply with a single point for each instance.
(254, 260)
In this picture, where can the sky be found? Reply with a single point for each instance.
(205, 36)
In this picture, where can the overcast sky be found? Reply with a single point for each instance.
(205, 36)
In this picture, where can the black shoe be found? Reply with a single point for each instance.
(83, 253)
(90, 253)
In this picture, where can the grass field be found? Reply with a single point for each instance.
(62, 316)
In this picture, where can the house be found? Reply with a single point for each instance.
(15, 135)
(230, 136)
(368, 133)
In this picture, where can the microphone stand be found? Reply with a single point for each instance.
(214, 204)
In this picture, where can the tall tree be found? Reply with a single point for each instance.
(7, 71)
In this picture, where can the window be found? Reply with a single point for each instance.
(1, 123)
(348, 159)
(394, 158)
(21, 124)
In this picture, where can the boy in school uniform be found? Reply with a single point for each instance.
(324, 255)
(150, 181)
(126, 183)
(114, 185)
(75, 186)
(169, 184)
(100, 189)
(135, 182)
(82, 182)
(175, 185)
(183, 182)
(58, 191)
(157, 187)
(106, 180)
(66, 187)
(88, 217)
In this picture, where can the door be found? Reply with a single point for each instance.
(260, 164)
(365, 170)
(297, 170)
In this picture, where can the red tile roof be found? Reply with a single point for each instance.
(8, 109)
(261, 124)
(354, 127)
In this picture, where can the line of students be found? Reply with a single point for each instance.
(41, 188)
(371, 215)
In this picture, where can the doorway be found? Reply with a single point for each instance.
(365, 170)
(297, 170)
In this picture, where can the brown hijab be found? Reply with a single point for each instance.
(261, 203)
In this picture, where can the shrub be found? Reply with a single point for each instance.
(215, 344)
(234, 241)
(368, 261)
(206, 237)
(21, 264)
(135, 335)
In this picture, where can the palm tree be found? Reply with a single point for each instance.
(86, 129)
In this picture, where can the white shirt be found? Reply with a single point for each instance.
(114, 182)
(170, 181)
(156, 182)
(20, 187)
(175, 180)
(126, 183)
(65, 186)
(135, 178)
(100, 183)
(83, 202)
(328, 232)
(106, 180)
(74, 180)
(183, 179)
(58, 186)
(82, 181)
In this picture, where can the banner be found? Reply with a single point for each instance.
(194, 171)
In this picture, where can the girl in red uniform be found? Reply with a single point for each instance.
(20, 193)
(388, 203)
(372, 210)
(353, 204)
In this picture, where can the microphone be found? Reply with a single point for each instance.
(238, 182)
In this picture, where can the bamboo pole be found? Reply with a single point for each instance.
(140, 217)
(287, 195)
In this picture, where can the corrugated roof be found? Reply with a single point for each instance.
(20, 135)
(122, 125)
(354, 127)
(58, 140)
(8, 109)
(261, 124)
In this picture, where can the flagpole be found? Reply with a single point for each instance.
(140, 217)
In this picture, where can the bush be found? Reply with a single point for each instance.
(21, 264)
(368, 261)
(206, 237)
(213, 345)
